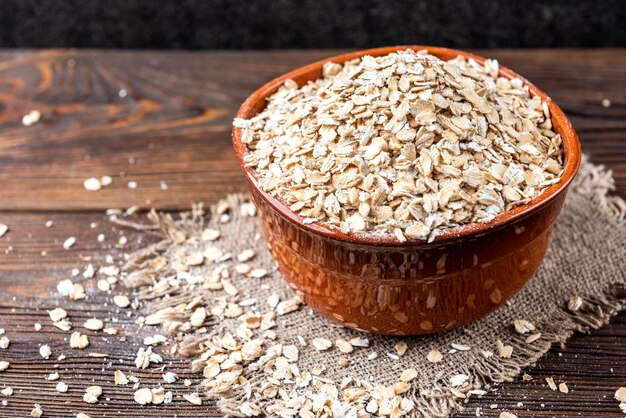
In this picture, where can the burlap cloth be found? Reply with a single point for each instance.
(587, 257)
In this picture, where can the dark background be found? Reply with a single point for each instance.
(256, 24)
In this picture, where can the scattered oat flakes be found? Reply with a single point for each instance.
(575, 303)
(154, 339)
(74, 291)
(288, 305)
(212, 254)
(229, 288)
(37, 411)
(45, 351)
(401, 348)
(360, 342)
(158, 395)
(103, 285)
(89, 272)
(458, 380)
(121, 300)
(31, 118)
(321, 344)
(478, 392)
(193, 398)
(57, 314)
(250, 409)
(505, 351)
(92, 184)
(69, 243)
(93, 324)
(4, 342)
(210, 234)
(434, 356)
(523, 326)
(460, 347)
(145, 357)
(211, 369)
(408, 375)
(143, 396)
(198, 317)
(246, 255)
(344, 346)
(243, 268)
(258, 273)
(78, 340)
(170, 377)
(551, 383)
(120, 378)
(92, 393)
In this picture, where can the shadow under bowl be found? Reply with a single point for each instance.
(374, 282)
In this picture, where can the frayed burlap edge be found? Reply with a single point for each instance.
(593, 182)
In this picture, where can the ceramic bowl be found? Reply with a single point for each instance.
(377, 284)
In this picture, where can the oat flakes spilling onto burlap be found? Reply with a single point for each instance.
(404, 143)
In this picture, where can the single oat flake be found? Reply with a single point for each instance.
(69, 243)
(31, 118)
(92, 184)
(403, 144)
(434, 356)
(620, 394)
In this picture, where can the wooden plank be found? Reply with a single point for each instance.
(592, 365)
(174, 120)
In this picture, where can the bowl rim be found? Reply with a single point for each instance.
(570, 144)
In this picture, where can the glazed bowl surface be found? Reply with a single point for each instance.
(374, 282)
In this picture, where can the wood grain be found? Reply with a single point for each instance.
(175, 121)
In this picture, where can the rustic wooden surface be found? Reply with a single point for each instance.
(154, 117)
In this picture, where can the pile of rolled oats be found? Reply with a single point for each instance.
(404, 143)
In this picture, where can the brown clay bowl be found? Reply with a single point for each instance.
(377, 284)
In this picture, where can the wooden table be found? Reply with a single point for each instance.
(153, 117)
